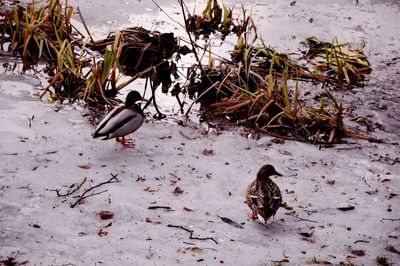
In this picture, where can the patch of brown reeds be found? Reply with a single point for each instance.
(260, 88)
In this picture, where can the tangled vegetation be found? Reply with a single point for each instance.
(258, 87)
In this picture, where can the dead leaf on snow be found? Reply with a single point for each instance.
(358, 252)
(106, 215)
(148, 189)
(194, 249)
(286, 206)
(308, 240)
(284, 152)
(392, 249)
(208, 152)
(177, 191)
(148, 220)
(102, 232)
(307, 234)
(84, 166)
(187, 209)
(290, 212)
(231, 222)
(35, 226)
(385, 180)
(330, 181)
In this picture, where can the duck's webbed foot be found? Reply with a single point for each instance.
(252, 215)
(127, 143)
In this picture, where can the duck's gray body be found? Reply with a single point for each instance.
(122, 120)
(119, 122)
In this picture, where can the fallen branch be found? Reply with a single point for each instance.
(70, 192)
(159, 207)
(361, 241)
(390, 219)
(113, 179)
(191, 233)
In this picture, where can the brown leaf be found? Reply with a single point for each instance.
(208, 152)
(358, 252)
(290, 191)
(102, 232)
(231, 222)
(174, 175)
(194, 249)
(148, 189)
(10, 261)
(284, 152)
(148, 220)
(84, 166)
(177, 190)
(286, 206)
(166, 137)
(330, 181)
(385, 180)
(106, 215)
(187, 209)
(306, 234)
(35, 226)
(392, 249)
(392, 195)
(308, 240)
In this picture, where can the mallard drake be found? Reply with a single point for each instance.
(264, 196)
(122, 120)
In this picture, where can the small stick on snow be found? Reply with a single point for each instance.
(191, 233)
(113, 179)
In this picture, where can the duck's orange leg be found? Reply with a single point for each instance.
(252, 215)
(127, 143)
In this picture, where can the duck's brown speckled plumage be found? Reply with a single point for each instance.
(263, 196)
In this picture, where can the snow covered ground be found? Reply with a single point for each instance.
(190, 177)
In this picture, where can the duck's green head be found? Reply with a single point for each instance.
(133, 98)
(266, 171)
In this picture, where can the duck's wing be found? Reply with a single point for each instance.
(251, 194)
(127, 122)
(99, 132)
(122, 124)
(269, 199)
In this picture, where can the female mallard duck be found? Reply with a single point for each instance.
(264, 196)
(122, 120)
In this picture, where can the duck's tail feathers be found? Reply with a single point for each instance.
(97, 135)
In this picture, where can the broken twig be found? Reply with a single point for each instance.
(191, 233)
(113, 179)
